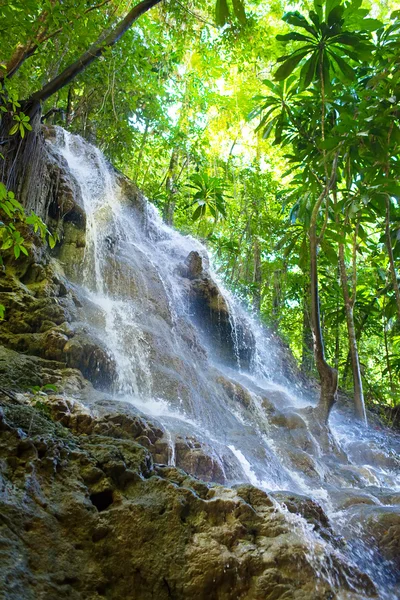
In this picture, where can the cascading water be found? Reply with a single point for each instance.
(250, 414)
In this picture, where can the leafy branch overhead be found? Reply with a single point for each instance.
(334, 36)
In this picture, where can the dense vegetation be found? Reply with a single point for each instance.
(276, 141)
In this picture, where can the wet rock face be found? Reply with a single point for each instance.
(195, 460)
(40, 311)
(233, 341)
(379, 526)
(88, 516)
(306, 507)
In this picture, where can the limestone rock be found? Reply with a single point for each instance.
(86, 516)
(231, 337)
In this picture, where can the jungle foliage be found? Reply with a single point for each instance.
(270, 131)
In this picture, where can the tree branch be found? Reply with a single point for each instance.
(93, 52)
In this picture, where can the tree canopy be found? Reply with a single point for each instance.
(269, 130)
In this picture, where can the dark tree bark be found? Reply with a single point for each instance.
(328, 375)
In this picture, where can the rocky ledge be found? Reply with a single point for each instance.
(86, 513)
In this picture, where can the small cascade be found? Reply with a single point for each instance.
(251, 412)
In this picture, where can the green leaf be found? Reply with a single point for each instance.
(318, 7)
(289, 65)
(343, 66)
(371, 24)
(335, 16)
(329, 252)
(52, 241)
(308, 70)
(329, 6)
(14, 129)
(348, 39)
(49, 386)
(293, 36)
(239, 11)
(198, 213)
(222, 13)
(296, 19)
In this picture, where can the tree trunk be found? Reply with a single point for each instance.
(169, 208)
(348, 305)
(276, 296)
(257, 275)
(328, 375)
(391, 258)
(141, 150)
(307, 345)
(93, 52)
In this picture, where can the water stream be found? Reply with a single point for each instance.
(135, 297)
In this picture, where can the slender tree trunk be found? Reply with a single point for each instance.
(141, 150)
(359, 331)
(328, 375)
(349, 305)
(170, 184)
(391, 258)
(257, 275)
(307, 346)
(337, 334)
(68, 116)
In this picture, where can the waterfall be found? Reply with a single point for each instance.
(175, 365)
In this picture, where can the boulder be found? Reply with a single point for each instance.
(228, 333)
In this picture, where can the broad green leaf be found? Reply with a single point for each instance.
(308, 70)
(293, 36)
(289, 65)
(238, 8)
(343, 66)
(335, 15)
(222, 13)
(296, 19)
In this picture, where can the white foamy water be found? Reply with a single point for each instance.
(242, 404)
